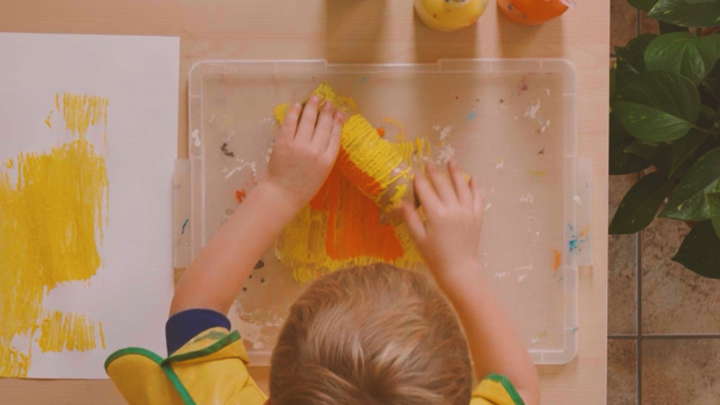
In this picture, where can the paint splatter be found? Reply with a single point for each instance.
(259, 265)
(240, 196)
(184, 226)
(471, 115)
(66, 249)
(557, 259)
(226, 150)
(527, 198)
(576, 241)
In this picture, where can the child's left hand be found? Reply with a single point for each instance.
(305, 150)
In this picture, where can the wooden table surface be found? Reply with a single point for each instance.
(360, 31)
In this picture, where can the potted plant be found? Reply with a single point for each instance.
(665, 124)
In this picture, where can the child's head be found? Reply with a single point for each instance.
(374, 335)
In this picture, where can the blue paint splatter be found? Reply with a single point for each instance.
(184, 225)
(471, 115)
(575, 241)
(363, 80)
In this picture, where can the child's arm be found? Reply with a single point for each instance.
(304, 152)
(450, 242)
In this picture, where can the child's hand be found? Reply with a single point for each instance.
(305, 150)
(449, 239)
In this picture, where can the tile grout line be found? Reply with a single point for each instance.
(665, 336)
(638, 315)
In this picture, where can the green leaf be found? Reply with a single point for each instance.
(702, 174)
(700, 207)
(683, 53)
(658, 106)
(640, 204)
(633, 53)
(643, 150)
(687, 13)
(620, 161)
(650, 124)
(700, 251)
(716, 225)
(666, 28)
(684, 148)
(643, 4)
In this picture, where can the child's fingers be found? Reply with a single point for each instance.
(289, 125)
(440, 180)
(324, 127)
(308, 120)
(414, 223)
(462, 186)
(478, 203)
(425, 192)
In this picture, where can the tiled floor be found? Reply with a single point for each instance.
(663, 320)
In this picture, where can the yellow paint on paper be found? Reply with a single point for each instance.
(66, 331)
(52, 217)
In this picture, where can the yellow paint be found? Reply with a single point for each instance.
(81, 111)
(10, 164)
(66, 331)
(342, 226)
(48, 119)
(52, 218)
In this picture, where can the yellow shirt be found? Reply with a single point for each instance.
(211, 369)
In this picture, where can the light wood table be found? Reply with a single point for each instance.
(360, 31)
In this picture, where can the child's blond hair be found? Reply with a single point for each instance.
(373, 335)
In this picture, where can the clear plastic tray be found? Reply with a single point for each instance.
(510, 123)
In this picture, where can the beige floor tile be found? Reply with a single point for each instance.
(623, 22)
(674, 299)
(622, 263)
(680, 371)
(622, 372)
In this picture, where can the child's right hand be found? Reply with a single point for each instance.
(305, 150)
(449, 238)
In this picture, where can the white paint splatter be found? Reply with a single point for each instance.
(500, 164)
(521, 278)
(436, 127)
(544, 125)
(532, 110)
(577, 200)
(196, 138)
(528, 198)
(242, 166)
(445, 154)
(488, 206)
(502, 274)
(445, 132)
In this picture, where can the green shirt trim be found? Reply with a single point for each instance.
(509, 387)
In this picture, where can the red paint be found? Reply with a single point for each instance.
(240, 195)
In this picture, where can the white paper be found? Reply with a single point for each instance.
(131, 291)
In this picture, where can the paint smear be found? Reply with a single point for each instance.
(557, 259)
(61, 332)
(53, 207)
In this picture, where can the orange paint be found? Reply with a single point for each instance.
(353, 222)
(557, 259)
(352, 172)
(240, 195)
(381, 132)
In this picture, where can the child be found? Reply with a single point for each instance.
(375, 335)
